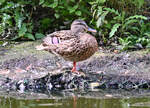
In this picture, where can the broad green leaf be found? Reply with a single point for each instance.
(118, 18)
(61, 7)
(6, 19)
(78, 13)
(148, 45)
(18, 19)
(29, 27)
(92, 3)
(57, 15)
(72, 0)
(112, 10)
(99, 22)
(147, 34)
(29, 36)
(22, 30)
(41, 2)
(15, 38)
(129, 22)
(73, 9)
(137, 17)
(1, 29)
(114, 29)
(39, 35)
(53, 5)
(127, 33)
(101, 19)
(134, 28)
(101, 1)
(99, 11)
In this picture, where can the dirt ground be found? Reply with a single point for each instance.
(111, 70)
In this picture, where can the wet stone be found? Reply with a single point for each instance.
(62, 81)
(69, 81)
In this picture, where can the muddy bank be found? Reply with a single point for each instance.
(24, 68)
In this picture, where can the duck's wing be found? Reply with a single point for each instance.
(64, 48)
(59, 43)
(58, 37)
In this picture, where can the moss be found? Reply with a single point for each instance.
(23, 49)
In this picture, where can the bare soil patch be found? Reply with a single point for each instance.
(24, 68)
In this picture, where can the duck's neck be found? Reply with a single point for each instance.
(77, 29)
(76, 33)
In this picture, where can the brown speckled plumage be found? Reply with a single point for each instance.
(73, 45)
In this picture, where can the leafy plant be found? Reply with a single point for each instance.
(118, 21)
(14, 12)
(126, 29)
(114, 29)
(27, 18)
(67, 10)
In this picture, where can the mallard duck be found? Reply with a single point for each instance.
(73, 45)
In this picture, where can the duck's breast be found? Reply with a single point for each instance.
(86, 47)
(89, 45)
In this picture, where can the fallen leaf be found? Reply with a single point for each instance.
(19, 70)
(3, 72)
(29, 67)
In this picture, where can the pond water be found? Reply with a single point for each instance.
(36, 100)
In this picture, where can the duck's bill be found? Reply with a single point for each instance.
(92, 30)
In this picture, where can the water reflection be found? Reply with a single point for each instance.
(61, 103)
(73, 102)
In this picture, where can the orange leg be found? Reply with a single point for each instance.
(74, 67)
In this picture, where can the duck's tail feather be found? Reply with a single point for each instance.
(41, 47)
(47, 48)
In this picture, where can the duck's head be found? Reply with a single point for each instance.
(79, 25)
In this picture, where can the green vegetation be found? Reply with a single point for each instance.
(123, 23)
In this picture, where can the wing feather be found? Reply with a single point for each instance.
(61, 35)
